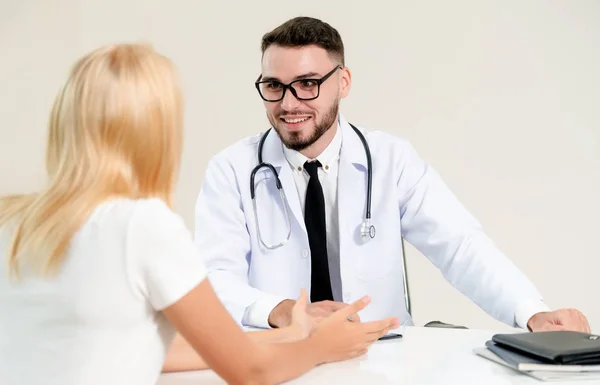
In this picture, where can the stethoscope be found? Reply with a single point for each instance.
(367, 230)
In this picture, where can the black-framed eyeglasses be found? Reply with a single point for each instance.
(302, 89)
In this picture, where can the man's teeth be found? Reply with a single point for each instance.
(297, 120)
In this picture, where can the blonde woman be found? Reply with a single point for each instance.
(97, 271)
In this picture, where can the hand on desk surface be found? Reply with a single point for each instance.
(340, 339)
(284, 313)
(562, 319)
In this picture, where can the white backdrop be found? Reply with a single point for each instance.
(501, 97)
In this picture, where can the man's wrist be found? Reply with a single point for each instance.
(531, 322)
(281, 315)
(257, 314)
(527, 310)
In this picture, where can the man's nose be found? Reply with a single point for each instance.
(289, 101)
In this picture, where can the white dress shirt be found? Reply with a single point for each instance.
(328, 175)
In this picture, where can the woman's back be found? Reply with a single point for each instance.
(95, 263)
(98, 321)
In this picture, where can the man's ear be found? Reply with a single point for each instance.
(345, 82)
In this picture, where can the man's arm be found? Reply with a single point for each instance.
(438, 225)
(222, 239)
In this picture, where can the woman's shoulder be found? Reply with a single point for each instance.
(147, 217)
(148, 225)
(143, 209)
(151, 217)
(155, 211)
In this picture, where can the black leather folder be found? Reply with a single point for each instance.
(556, 347)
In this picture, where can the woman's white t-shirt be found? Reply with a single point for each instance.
(99, 321)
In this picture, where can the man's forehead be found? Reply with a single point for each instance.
(289, 62)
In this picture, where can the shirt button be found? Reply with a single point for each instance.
(305, 253)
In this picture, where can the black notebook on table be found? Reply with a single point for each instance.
(555, 347)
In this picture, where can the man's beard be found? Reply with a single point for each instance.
(294, 140)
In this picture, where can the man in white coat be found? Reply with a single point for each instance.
(261, 252)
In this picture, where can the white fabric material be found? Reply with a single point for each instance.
(410, 200)
(98, 322)
(526, 309)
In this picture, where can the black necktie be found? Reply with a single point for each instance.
(314, 217)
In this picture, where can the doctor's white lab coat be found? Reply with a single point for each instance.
(409, 200)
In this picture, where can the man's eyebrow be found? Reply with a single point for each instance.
(307, 75)
(269, 79)
(303, 76)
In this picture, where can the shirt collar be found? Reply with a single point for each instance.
(327, 157)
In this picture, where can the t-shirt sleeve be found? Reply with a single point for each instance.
(163, 263)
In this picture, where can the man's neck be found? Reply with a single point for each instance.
(315, 149)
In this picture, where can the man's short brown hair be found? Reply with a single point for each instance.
(304, 31)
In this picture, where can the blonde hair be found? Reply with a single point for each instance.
(115, 130)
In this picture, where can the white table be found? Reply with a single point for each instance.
(425, 356)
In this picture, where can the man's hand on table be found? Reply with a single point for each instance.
(283, 314)
(562, 319)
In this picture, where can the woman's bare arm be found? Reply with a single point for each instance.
(203, 321)
(182, 357)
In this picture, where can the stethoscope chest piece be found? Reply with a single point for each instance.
(367, 230)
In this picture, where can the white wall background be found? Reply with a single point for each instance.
(502, 97)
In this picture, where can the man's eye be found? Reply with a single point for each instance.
(308, 83)
(273, 86)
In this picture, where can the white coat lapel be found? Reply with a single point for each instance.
(273, 153)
